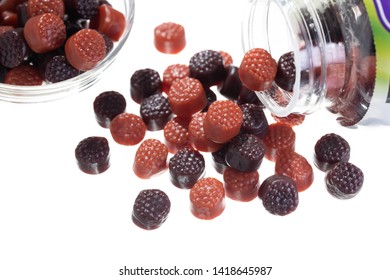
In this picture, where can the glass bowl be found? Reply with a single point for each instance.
(54, 91)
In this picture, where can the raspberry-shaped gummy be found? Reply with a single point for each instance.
(172, 73)
(38, 7)
(245, 153)
(128, 129)
(155, 111)
(23, 75)
(207, 66)
(279, 195)
(45, 32)
(329, 150)
(186, 167)
(144, 83)
(197, 136)
(223, 121)
(81, 9)
(169, 37)
(344, 180)
(280, 137)
(85, 49)
(107, 105)
(109, 21)
(226, 58)
(254, 120)
(187, 97)
(257, 69)
(207, 198)
(176, 134)
(13, 48)
(285, 75)
(241, 186)
(150, 158)
(151, 208)
(93, 155)
(296, 167)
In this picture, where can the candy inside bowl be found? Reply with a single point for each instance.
(25, 45)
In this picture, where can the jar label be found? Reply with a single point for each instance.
(379, 14)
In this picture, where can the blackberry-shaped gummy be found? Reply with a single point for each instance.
(155, 111)
(151, 209)
(232, 85)
(245, 153)
(186, 167)
(57, 69)
(107, 105)
(207, 66)
(93, 155)
(344, 180)
(82, 9)
(254, 120)
(285, 74)
(329, 150)
(218, 159)
(279, 195)
(144, 83)
(13, 48)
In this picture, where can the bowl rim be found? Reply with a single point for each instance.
(55, 91)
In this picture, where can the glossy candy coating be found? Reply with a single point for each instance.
(285, 75)
(176, 134)
(13, 48)
(107, 105)
(169, 37)
(279, 137)
(241, 186)
(109, 21)
(144, 83)
(197, 137)
(93, 155)
(155, 111)
(23, 75)
(150, 158)
(254, 120)
(128, 129)
(172, 73)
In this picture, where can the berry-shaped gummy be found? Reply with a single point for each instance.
(23, 75)
(150, 158)
(241, 186)
(107, 105)
(155, 111)
(144, 83)
(85, 49)
(207, 66)
(56, 68)
(187, 97)
(280, 137)
(13, 48)
(344, 180)
(285, 75)
(127, 129)
(254, 120)
(109, 21)
(330, 149)
(257, 69)
(169, 37)
(227, 59)
(295, 166)
(45, 32)
(81, 9)
(198, 138)
(176, 134)
(93, 155)
(172, 73)
(279, 195)
(207, 198)
(219, 159)
(38, 7)
(151, 209)
(223, 121)
(232, 85)
(186, 167)
(245, 153)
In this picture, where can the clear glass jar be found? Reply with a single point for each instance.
(338, 63)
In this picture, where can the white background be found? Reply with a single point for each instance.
(58, 223)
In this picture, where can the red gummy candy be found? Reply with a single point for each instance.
(85, 49)
(292, 119)
(176, 134)
(45, 32)
(172, 73)
(38, 7)
(169, 37)
(109, 21)
(150, 158)
(279, 137)
(241, 186)
(128, 129)
(257, 70)
(207, 198)
(23, 75)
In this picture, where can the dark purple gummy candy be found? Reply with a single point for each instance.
(13, 48)
(218, 159)
(155, 111)
(285, 75)
(232, 86)
(211, 97)
(329, 150)
(82, 9)
(254, 120)
(344, 180)
(245, 153)
(151, 209)
(144, 83)
(93, 155)
(207, 66)
(279, 195)
(249, 96)
(107, 105)
(57, 69)
(186, 167)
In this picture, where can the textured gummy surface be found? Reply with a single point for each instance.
(172, 73)
(176, 134)
(257, 69)
(186, 167)
(57, 69)
(150, 158)
(241, 186)
(169, 37)
(344, 180)
(207, 198)
(155, 111)
(13, 48)
(197, 135)
(144, 83)
(82, 9)
(151, 208)
(279, 195)
(285, 75)
(128, 129)
(279, 137)
(330, 149)
(23, 75)
(107, 105)
(93, 155)
(38, 7)
(254, 120)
